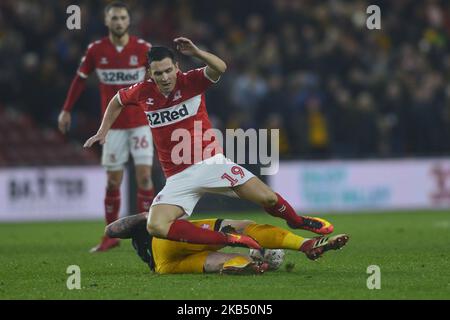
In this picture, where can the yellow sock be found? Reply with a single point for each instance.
(272, 237)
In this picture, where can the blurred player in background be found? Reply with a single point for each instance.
(174, 100)
(120, 60)
(166, 257)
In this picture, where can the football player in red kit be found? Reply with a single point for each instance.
(119, 60)
(175, 106)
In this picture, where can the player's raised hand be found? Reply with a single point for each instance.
(64, 120)
(89, 142)
(186, 46)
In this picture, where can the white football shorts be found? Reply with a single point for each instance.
(214, 175)
(121, 142)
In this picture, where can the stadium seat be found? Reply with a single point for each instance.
(24, 143)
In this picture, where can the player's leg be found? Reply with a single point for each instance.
(171, 258)
(272, 237)
(112, 196)
(145, 194)
(112, 208)
(141, 148)
(161, 218)
(233, 263)
(215, 261)
(114, 156)
(268, 236)
(219, 174)
(181, 257)
(258, 192)
(167, 257)
(177, 199)
(164, 222)
(230, 263)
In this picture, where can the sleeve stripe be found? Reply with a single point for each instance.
(83, 75)
(118, 98)
(207, 77)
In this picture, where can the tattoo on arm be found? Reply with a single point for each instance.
(124, 227)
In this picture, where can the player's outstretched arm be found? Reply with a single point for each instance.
(124, 227)
(112, 112)
(215, 66)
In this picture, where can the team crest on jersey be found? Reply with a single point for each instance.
(150, 101)
(103, 60)
(177, 95)
(134, 60)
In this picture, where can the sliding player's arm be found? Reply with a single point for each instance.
(112, 112)
(124, 227)
(215, 66)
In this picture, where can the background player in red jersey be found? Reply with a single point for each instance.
(174, 100)
(119, 60)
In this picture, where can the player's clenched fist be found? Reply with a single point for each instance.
(89, 142)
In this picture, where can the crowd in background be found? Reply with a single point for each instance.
(334, 88)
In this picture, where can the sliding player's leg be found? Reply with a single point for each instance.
(166, 257)
(272, 237)
(233, 263)
(172, 258)
(269, 237)
(258, 192)
(180, 257)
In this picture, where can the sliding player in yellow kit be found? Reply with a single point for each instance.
(169, 257)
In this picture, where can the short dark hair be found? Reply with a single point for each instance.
(117, 4)
(158, 53)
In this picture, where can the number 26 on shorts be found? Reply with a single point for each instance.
(140, 142)
(235, 170)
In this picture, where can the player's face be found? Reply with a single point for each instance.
(118, 21)
(164, 73)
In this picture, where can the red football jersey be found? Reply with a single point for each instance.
(117, 69)
(184, 108)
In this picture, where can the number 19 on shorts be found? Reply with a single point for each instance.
(235, 171)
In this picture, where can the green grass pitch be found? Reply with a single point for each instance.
(412, 250)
